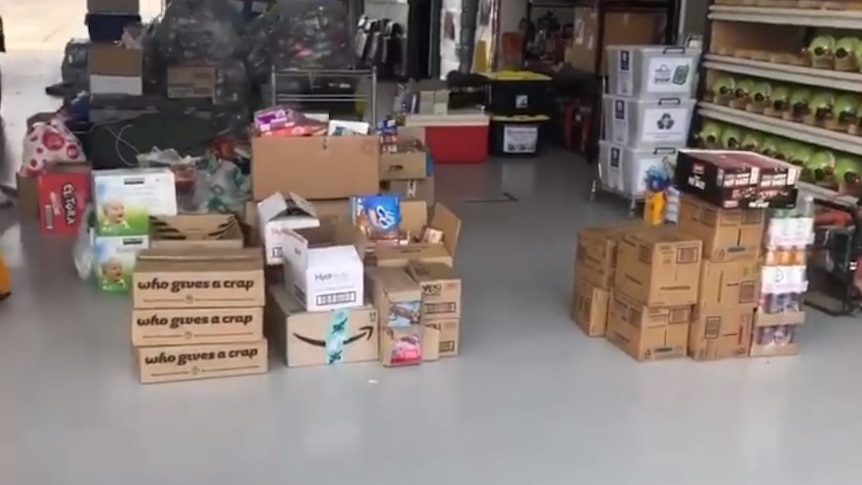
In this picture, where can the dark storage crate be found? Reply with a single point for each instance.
(529, 96)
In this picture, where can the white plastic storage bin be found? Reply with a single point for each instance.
(650, 122)
(624, 169)
(652, 71)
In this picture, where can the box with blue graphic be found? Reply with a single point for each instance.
(125, 199)
(320, 338)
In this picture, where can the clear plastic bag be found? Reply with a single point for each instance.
(301, 34)
(198, 30)
(82, 251)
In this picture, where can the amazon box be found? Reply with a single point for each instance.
(414, 219)
(441, 291)
(396, 296)
(189, 362)
(198, 278)
(184, 326)
(320, 338)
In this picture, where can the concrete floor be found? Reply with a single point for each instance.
(531, 400)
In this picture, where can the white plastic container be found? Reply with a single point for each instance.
(652, 70)
(624, 169)
(647, 122)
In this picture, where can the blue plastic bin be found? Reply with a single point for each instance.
(108, 27)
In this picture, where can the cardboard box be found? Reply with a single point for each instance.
(401, 346)
(430, 343)
(63, 192)
(334, 211)
(114, 69)
(414, 219)
(434, 101)
(727, 234)
(736, 179)
(323, 266)
(720, 333)
(27, 192)
(114, 6)
(620, 29)
(648, 332)
(596, 254)
(449, 338)
(411, 162)
(441, 291)
(125, 199)
(185, 326)
(590, 308)
(730, 284)
(192, 82)
(188, 362)
(659, 267)
(774, 341)
(397, 297)
(319, 167)
(320, 338)
(279, 215)
(420, 189)
(189, 231)
(198, 279)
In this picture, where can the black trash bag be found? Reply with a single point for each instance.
(301, 34)
(199, 31)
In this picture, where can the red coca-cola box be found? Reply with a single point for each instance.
(736, 179)
(63, 191)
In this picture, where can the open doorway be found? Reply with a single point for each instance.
(423, 39)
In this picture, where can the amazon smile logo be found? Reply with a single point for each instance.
(365, 332)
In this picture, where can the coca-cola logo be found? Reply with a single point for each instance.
(70, 203)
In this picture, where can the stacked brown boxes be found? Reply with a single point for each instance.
(655, 287)
(595, 262)
(406, 171)
(113, 68)
(198, 299)
(441, 305)
(723, 317)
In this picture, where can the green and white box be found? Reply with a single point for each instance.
(125, 199)
(114, 260)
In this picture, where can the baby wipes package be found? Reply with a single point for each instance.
(124, 199)
(114, 261)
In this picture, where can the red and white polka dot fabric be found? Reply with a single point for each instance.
(49, 142)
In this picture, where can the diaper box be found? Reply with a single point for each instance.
(114, 260)
(126, 198)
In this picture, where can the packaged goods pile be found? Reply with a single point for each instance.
(727, 280)
(341, 254)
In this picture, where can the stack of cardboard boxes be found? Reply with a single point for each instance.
(335, 296)
(408, 170)
(198, 298)
(710, 287)
(114, 68)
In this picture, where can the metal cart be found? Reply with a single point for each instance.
(329, 89)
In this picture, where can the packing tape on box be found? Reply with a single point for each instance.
(336, 336)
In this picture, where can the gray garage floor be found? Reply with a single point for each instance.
(530, 401)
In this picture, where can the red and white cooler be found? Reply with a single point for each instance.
(456, 137)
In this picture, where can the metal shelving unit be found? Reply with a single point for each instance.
(281, 91)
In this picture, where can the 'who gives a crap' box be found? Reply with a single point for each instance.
(198, 279)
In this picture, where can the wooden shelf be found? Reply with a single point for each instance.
(809, 76)
(795, 131)
(836, 19)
